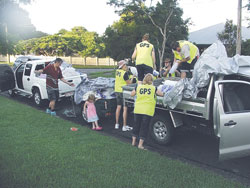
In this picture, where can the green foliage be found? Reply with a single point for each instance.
(15, 25)
(78, 41)
(121, 37)
(245, 47)
(228, 37)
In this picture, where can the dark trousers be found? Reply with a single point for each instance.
(141, 126)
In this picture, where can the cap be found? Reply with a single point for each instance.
(121, 63)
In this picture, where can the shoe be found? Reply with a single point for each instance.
(98, 128)
(48, 111)
(53, 113)
(126, 128)
(129, 128)
(116, 126)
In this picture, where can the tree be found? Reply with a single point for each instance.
(78, 41)
(245, 47)
(15, 25)
(163, 21)
(228, 37)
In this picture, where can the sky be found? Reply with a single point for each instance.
(50, 16)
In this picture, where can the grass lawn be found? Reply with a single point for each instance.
(107, 74)
(41, 151)
(5, 62)
(94, 66)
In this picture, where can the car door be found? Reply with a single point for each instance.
(27, 78)
(232, 118)
(7, 78)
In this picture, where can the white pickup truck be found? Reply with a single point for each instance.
(28, 83)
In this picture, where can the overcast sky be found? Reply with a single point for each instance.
(95, 15)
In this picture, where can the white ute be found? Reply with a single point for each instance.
(28, 83)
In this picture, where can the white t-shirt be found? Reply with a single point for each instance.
(185, 51)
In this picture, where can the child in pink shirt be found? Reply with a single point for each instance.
(90, 111)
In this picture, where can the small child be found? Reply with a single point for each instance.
(90, 111)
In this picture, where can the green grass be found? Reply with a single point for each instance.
(40, 151)
(94, 67)
(5, 62)
(106, 74)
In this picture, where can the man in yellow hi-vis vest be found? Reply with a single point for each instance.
(144, 55)
(186, 54)
(121, 79)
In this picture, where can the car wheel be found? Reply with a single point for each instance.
(161, 129)
(84, 117)
(37, 98)
(11, 93)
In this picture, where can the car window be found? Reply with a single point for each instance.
(38, 67)
(27, 69)
(20, 69)
(236, 97)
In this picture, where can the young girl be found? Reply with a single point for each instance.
(144, 108)
(89, 107)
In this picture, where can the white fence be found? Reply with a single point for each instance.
(73, 60)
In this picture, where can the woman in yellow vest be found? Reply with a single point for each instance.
(165, 70)
(121, 79)
(144, 108)
(186, 54)
(144, 55)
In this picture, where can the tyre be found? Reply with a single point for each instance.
(161, 129)
(83, 115)
(37, 98)
(11, 93)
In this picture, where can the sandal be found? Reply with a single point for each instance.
(98, 128)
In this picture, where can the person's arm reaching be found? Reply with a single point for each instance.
(153, 58)
(134, 55)
(66, 82)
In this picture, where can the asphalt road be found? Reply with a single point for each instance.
(188, 146)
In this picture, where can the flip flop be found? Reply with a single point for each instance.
(98, 128)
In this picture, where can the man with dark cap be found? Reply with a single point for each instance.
(144, 55)
(53, 73)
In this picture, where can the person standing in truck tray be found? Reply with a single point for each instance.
(53, 73)
(144, 108)
(121, 79)
(186, 54)
(144, 55)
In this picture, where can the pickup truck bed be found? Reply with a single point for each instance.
(194, 107)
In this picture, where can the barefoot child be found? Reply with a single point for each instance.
(90, 111)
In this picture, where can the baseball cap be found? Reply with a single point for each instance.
(121, 63)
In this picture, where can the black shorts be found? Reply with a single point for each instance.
(186, 67)
(142, 70)
(119, 98)
(53, 93)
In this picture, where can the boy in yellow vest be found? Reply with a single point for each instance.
(144, 55)
(144, 108)
(186, 54)
(121, 79)
(165, 70)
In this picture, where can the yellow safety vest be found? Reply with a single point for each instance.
(145, 100)
(172, 75)
(144, 53)
(119, 80)
(192, 47)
